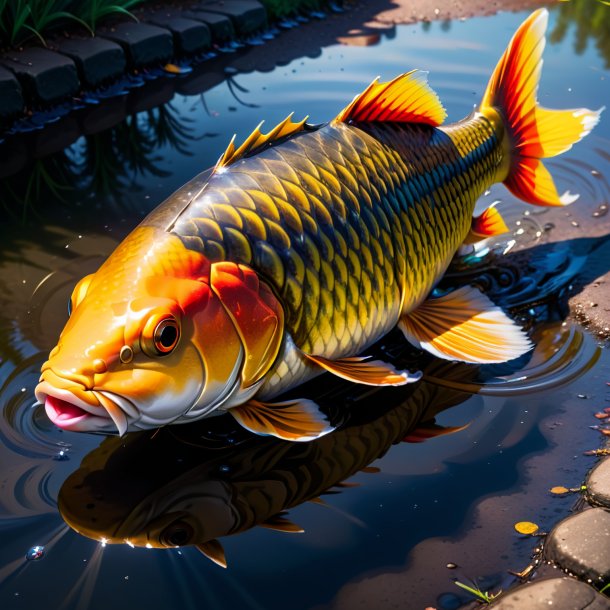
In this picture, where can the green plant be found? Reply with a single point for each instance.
(485, 597)
(285, 8)
(604, 589)
(21, 19)
(94, 10)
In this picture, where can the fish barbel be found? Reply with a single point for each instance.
(306, 245)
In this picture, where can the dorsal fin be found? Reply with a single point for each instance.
(257, 139)
(406, 99)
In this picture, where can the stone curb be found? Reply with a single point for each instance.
(44, 76)
(37, 77)
(580, 546)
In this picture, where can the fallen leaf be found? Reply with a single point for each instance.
(526, 527)
(172, 68)
(602, 415)
(560, 489)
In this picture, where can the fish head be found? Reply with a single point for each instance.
(151, 341)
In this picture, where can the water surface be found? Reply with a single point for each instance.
(432, 500)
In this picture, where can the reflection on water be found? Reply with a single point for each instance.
(592, 23)
(190, 485)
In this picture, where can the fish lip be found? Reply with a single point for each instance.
(85, 417)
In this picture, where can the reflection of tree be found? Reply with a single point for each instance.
(592, 20)
(109, 163)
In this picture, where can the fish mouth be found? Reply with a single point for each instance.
(69, 412)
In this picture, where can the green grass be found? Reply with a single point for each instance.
(276, 9)
(23, 19)
(481, 596)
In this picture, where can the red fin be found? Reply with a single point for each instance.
(279, 523)
(488, 224)
(292, 420)
(534, 133)
(406, 99)
(424, 433)
(464, 325)
(256, 313)
(367, 372)
(213, 551)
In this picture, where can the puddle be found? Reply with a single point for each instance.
(382, 517)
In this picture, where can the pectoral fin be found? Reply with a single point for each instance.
(488, 224)
(465, 325)
(292, 420)
(214, 552)
(368, 372)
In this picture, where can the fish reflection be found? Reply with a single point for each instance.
(166, 490)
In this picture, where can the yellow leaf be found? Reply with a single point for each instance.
(559, 490)
(526, 527)
(172, 68)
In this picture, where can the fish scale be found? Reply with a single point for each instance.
(344, 219)
(304, 246)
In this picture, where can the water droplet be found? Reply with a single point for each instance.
(575, 224)
(224, 468)
(35, 553)
(452, 566)
(61, 456)
(582, 396)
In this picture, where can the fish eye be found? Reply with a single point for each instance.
(160, 335)
(177, 534)
(166, 335)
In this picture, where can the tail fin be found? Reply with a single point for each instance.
(534, 132)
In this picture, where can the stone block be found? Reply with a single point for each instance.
(581, 545)
(44, 76)
(143, 44)
(190, 36)
(11, 99)
(556, 593)
(97, 60)
(220, 26)
(248, 16)
(598, 483)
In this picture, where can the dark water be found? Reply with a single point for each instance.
(433, 500)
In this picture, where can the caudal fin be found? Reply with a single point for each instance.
(533, 132)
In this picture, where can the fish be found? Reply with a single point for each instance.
(305, 246)
(127, 491)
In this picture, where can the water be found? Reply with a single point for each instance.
(421, 505)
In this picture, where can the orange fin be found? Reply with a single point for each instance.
(424, 433)
(406, 99)
(368, 372)
(257, 139)
(279, 523)
(371, 469)
(213, 551)
(488, 224)
(534, 132)
(292, 420)
(464, 325)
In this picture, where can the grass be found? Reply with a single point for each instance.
(23, 19)
(276, 9)
(484, 597)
